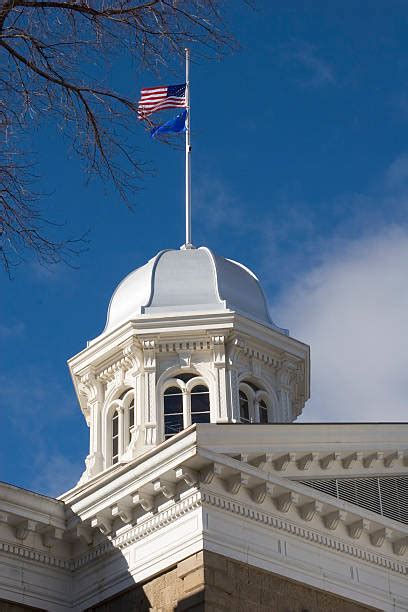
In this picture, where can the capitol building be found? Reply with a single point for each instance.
(200, 491)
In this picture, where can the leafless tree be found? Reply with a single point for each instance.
(54, 57)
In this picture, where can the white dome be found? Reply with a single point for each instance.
(181, 281)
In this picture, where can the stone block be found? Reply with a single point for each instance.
(194, 580)
(190, 564)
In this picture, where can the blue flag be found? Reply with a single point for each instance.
(178, 124)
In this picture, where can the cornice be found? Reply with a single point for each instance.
(30, 554)
(239, 508)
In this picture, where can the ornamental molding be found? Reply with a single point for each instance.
(241, 509)
(347, 464)
(190, 345)
(138, 532)
(30, 554)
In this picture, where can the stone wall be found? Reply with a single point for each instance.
(207, 582)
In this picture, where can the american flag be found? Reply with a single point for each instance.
(153, 99)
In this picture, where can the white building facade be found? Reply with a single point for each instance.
(190, 394)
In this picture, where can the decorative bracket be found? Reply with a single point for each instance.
(234, 483)
(356, 529)
(23, 528)
(123, 512)
(143, 499)
(189, 476)
(168, 489)
(348, 461)
(102, 523)
(260, 492)
(285, 501)
(378, 537)
(306, 461)
(332, 519)
(281, 463)
(400, 546)
(308, 510)
(208, 473)
(370, 460)
(325, 462)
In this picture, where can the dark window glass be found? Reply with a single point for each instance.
(115, 424)
(200, 404)
(243, 407)
(115, 437)
(173, 412)
(131, 414)
(263, 412)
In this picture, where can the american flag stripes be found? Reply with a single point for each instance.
(153, 99)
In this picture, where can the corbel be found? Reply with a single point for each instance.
(281, 463)
(308, 510)
(348, 461)
(4, 517)
(23, 528)
(262, 460)
(166, 488)
(285, 501)
(208, 473)
(123, 512)
(184, 359)
(102, 523)
(50, 534)
(260, 492)
(325, 462)
(84, 533)
(332, 519)
(370, 460)
(218, 343)
(234, 483)
(189, 476)
(378, 537)
(306, 461)
(400, 546)
(389, 460)
(143, 499)
(356, 529)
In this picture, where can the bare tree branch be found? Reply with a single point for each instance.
(54, 58)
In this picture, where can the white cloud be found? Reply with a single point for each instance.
(353, 311)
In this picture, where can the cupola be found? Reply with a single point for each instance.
(188, 339)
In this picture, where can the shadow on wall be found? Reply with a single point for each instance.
(136, 600)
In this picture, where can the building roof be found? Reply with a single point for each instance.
(190, 280)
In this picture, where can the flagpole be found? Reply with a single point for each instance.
(188, 244)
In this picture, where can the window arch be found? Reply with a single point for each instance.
(186, 400)
(254, 403)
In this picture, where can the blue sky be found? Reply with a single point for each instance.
(300, 171)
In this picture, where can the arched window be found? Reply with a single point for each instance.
(200, 404)
(243, 408)
(254, 403)
(115, 437)
(173, 411)
(186, 401)
(263, 412)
